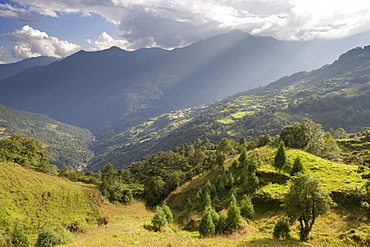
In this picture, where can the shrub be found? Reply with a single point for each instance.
(102, 220)
(47, 238)
(281, 229)
(77, 225)
(168, 213)
(159, 220)
(18, 236)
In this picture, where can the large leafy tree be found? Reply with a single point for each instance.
(305, 201)
(303, 135)
(25, 151)
(310, 136)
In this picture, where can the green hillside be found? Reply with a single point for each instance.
(36, 200)
(346, 224)
(65, 143)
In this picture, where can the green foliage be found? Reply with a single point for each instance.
(207, 227)
(163, 172)
(280, 157)
(77, 225)
(243, 156)
(330, 149)
(226, 146)
(309, 136)
(303, 135)
(305, 201)
(65, 144)
(163, 216)
(19, 237)
(297, 166)
(167, 211)
(281, 229)
(25, 151)
(246, 208)
(233, 219)
(160, 219)
(47, 238)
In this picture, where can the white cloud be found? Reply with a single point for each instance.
(2, 50)
(169, 23)
(32, 43)
(8, 11)
(106, 41)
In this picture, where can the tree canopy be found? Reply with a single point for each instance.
(305, 201)
(25, 151)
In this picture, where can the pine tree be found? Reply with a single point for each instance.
(207, 201)
(246, 208)
(243, 158)
(233, 218)
(235, 164)
(206, 226)
(280, 157)
(297, 166)
(221, 188)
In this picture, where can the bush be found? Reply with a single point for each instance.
(18, 236)
(160, 219)
(47, 238)
(77, 225)
(102, 220)
(281, 229)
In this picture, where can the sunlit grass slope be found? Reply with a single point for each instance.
(336, 177)
(37, 199)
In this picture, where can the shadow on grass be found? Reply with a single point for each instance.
(268, 242)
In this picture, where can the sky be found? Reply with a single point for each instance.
(59, 28)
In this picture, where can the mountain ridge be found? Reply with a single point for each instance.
(92, 89)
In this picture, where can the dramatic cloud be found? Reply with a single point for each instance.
(33, 43)
(168, 23)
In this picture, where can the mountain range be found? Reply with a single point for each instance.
(140, 102)
(336, 96)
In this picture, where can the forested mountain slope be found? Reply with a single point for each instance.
(336, 96)
(117, 89)
(65, 143)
